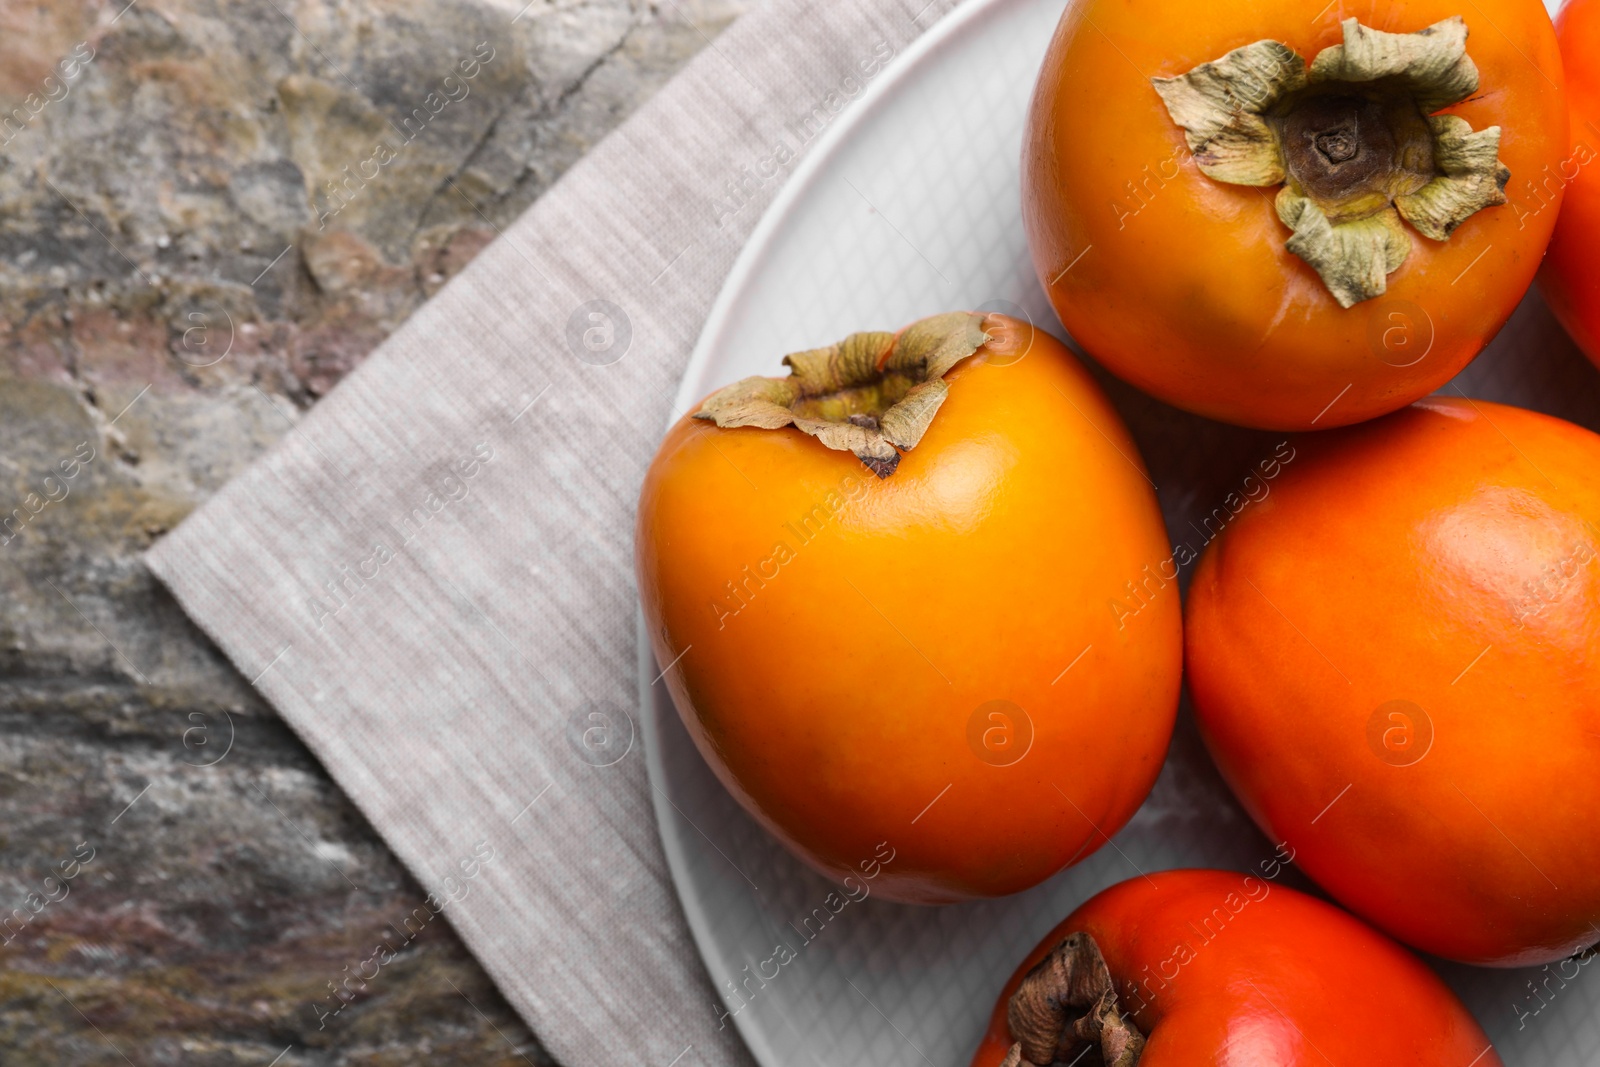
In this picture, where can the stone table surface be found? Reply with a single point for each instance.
(193, 198)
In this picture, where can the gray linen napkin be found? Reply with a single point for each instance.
(431, 576)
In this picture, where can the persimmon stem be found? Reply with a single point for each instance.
(872, 394)
(1068, 1001)
(1353, 137)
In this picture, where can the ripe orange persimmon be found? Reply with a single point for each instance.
(1270, 216)
(1395, 660)
(905, 651)
(1208, 968)
(1571, 276)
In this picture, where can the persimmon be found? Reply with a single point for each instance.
(1196, 968)
(1570, 279)
(1283, 217)
(1395, 661)
(877, 588)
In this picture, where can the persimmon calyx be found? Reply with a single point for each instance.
(1354, 139)
(1066, 1002)
(872, 394)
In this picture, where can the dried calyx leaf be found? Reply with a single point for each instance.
(1068, 1002)
(1354, 139)
(1354, 258)
(1221, 106)
(1432, 64)
(872, 394)
(1471, 177)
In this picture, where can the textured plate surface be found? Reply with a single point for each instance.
(908, 205)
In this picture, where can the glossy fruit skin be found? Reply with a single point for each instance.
(836, 704)
(1570, 279)
(1446, 556)
(1271, 978)
(1182, 286)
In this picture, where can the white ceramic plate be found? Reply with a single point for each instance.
(884, 222)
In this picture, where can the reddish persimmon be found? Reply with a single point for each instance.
(1270, 216)
(907, 650)
(1571, 276)
(1395, 660)
(1220, 969)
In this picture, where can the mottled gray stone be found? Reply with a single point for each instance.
(178, 283)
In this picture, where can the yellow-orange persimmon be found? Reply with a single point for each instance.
(885, 650)
(1395, 660)
(1290, 218)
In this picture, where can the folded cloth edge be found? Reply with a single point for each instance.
(279, 568)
